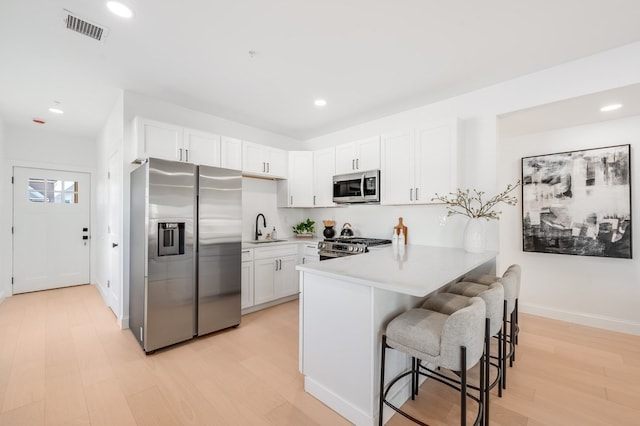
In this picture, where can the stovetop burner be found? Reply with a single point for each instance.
(369, 242)
(347, 246)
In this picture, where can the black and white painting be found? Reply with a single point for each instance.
(578, 202)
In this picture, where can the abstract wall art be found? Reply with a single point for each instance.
(578, 202)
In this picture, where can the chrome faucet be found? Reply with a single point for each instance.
(264, 223)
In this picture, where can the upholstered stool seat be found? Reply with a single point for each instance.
(474, 284)
(493, 296)
(453, 342)
(514, 270)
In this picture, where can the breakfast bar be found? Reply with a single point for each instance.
(345, 304)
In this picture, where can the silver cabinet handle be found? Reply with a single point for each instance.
(268, 167)
(353, 164)
(417, 194)
(245, 251)
(264, 167)
(357, 164)
(314, 200)
(180, 149)
(311, 246)
(186, 155)
(411, 194)
(280, 264)
(276, 264)
(291, 200)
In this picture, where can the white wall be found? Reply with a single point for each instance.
(479, 154)
(5, 229)
(110, 143)
(35, 146)
(595, 291)
(260, 196)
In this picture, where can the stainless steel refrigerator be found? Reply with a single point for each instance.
(185, 251)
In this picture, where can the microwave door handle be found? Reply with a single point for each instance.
(362, 186)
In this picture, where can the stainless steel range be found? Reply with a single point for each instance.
(331, 248)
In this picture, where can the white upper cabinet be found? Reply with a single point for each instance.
(170, 142)
(201, 148)
(358, 156)
(309, 183)
(436, 160)
(418, 163)
(398, 166)
(261, 160)
(297, 190)
(230, 153)
(157, 139)
(324, 168)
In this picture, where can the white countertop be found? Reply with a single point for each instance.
(249, 244)
(420, 271)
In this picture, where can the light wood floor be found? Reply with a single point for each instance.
(63, 361)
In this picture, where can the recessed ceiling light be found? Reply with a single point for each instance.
(320, 102)
(611, 107)
(119, 9)
(55, 108)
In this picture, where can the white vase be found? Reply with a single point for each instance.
(474, 235)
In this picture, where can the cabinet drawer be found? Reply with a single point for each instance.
(310, 249)
(247, 255)
(277, 251)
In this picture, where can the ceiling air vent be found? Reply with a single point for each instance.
(84, 27)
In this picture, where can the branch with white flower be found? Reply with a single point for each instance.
(470, 203)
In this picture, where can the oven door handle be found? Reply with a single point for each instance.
(362, 185)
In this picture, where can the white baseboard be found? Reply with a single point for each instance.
(124, 323)
(597, 321)
(269, 304)
(337, 403)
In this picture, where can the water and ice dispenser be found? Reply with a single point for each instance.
(170, 238)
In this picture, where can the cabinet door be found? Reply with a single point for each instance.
(201, 148)
(368, 154)
(324, 168)
(264, 280)
(277, 160)
(246, 284)
(230, 153)
(253, 158)
(397, 173)
(300, 179)
(158, 140)
(346, 158)
(286, 283)
(436, 161)
(310, 259)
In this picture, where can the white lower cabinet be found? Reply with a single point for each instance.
(309, 253)
(246, 280)
(246, 285)
(274, 272)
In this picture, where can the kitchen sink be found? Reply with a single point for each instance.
(264, 241)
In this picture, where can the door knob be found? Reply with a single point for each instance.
(114, 245)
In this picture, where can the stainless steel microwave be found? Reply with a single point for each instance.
(363, 187)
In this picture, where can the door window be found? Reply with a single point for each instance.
(52, 191)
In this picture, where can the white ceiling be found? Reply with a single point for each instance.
(571, 112)
(367, 58)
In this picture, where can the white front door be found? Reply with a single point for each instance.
(115, 266)
(51, 238)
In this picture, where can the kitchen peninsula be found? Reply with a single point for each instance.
(345, 304)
